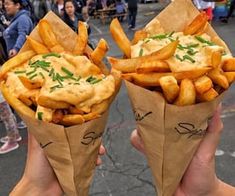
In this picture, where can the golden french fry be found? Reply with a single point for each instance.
(120, 37)
(57, 116)
(82, 39)
(49, 103)
(152, 79)
(128, 76)
(202, 30)
(37, 46)
(72, 119)
(15, 62)
(216, 59)
(90, 116)
(74, 110)
(167, 51)
(57, 49)
(229, 65)
(169, 87)
(187, 94)
(198, 23)
(29, 84)
(16, 103)
(99, 53)
(153, 66)
(230, 76)
(209, 95)
(25, 100)
(218, 77)
(139, 35)
(130, 65)
(203, 84)
(101, 107)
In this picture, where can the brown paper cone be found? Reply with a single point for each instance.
(72, 152)
(171, 134)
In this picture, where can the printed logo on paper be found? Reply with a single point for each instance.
(189, 130)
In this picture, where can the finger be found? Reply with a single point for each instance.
(137, 141)
(209, 144)
(98, 161)
(102, 150)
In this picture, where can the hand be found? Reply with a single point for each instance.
(199, 178)
(39, 178)
(12, 53)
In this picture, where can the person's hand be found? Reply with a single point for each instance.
(12, 53)
(39, 178)
(199, 178)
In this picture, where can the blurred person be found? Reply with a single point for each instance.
(58, 7)
(39, 178)
(200, 178)
(132, 12)
(110, 3)
(230, 13)
(120, 9)
(13, 137)
(91, 7)
(41, 8)
(20, 26)
(80, 5)
(206, 7)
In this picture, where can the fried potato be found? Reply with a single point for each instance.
(152, 79)
(209, 95)
(98, 54)
(25, 100)
(16, 103)
(139, 35)
(74, 110)
(57, 116)
(197, 24)
(219, 78)
(72, 119)
(229, 65)
(91, 116)
(169, 87)
(203, 84)
(187, 94)
(82, 39)
(49, 103)
(37, 46)
(153, 66)
(29, 84)
(216, 59)
(15, 62)
(120, 37)
(230, 76)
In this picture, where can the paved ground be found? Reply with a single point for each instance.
(124, 171)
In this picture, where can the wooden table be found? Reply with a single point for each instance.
(105, 13)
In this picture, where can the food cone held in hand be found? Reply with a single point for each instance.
(176, 77)
(63, 96)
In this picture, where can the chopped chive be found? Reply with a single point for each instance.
(76, 83)
(202, 40)
(41, 74)
(31, 72)
(161, 36)
(95, 81)
(171, 33)
(59, 77)
(43, 63)
(141, 52)
(187, 57)
(66, 71)
(147, 41)
(192, 52)
(51, 72)
(40, 114)
(33, 76)
(79, 78)
(44, 68)
(91, 78)
(178, 57)
(54, 77)
(193, 45)
(55, 87)
(181, 47)
(51, 54)
(20, 72)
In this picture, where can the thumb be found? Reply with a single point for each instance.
(209, 144)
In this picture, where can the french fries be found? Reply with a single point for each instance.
(186, 67)
(58, 86)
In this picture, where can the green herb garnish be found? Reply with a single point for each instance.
(202, 40)
(147, 41)
(33, 76)
(95, 81)
(170, 34)
(187, 57)
(40, 114)
(91, 78)
(141, 52)
(31, 72)
(51, 54)
(161, 36)
(192, 52)
(20, 72)
(51, 72)
(55, 87)
(41, 74)
(178, 57)
(69, 73)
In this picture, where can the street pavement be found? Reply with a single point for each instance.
(124, 171)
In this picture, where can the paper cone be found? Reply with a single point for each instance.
(171, 134)
(73, 151)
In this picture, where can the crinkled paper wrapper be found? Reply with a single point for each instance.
(72, 151)
(171, 134)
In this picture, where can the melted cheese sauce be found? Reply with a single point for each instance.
(197, 54)
(74, 80)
